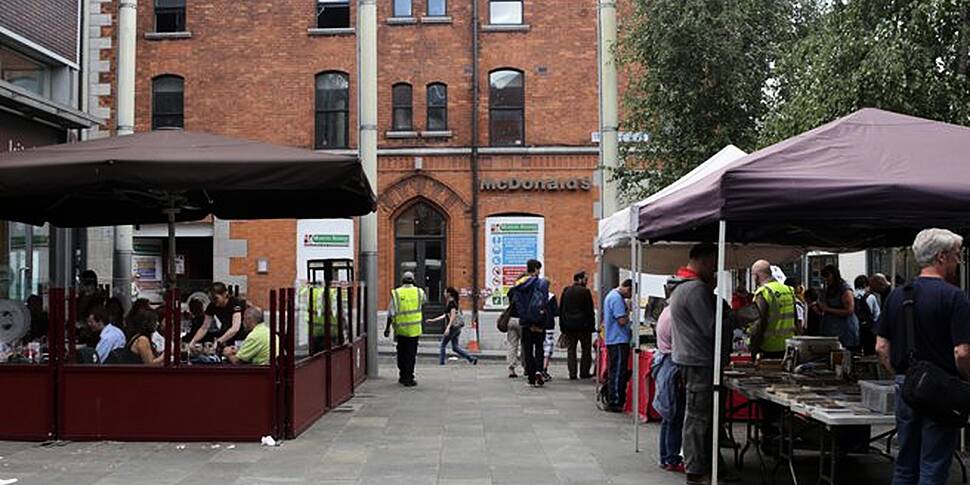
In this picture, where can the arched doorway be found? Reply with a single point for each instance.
(420, 247)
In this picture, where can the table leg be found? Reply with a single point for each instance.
(786, 451)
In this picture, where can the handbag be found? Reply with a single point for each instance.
(927, 388)
(503, 320)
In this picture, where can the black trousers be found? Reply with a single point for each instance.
(619, 359)
(585, 340)
(407, 352)
(532, 352)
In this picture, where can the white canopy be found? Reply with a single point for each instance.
(617, 230)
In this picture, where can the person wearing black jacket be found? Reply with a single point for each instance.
(577, 321)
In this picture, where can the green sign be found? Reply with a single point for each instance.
(518, 228)
(327, 240)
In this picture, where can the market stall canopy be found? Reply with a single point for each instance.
(873, 178)
(616, 231)
(133, 179)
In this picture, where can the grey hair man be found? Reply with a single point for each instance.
(942, 331)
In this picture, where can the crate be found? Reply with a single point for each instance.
(879, 396)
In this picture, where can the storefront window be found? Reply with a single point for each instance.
(26, 263)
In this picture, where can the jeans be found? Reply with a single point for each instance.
(407, 353)
(585, 340)
(698, 419)
(925, 448)
(619, 374)
(453, 338)
(669, 402)
(532, 352)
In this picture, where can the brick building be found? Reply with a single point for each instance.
(284, 72)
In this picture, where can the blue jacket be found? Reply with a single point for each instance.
(520, 294)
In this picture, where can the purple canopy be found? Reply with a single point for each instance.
(873, 178)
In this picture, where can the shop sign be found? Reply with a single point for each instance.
(509, 243)
(540, 185)
(327, 240)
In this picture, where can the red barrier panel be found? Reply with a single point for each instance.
(341, 380)
(28, 402)
(309, 392)
(194, 403)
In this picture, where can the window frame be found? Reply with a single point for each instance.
(321, 114)
(430, 107)
(444, 10)
(396, 14)
(156, 113)
(180, 16)
(320, 9)
(400, 106)
(492, 108)
(521, 3)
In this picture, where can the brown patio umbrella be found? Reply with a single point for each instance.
(174, 175)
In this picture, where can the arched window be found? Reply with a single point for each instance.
(437, 107)
(332, 110)
(403, 113)
(506, 107)
(420, 247)
(168, 102)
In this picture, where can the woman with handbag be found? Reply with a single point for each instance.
(456, 321)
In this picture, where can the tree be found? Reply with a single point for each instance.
(698, 69)
(908, 56)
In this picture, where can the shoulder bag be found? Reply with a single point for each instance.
(927, 388)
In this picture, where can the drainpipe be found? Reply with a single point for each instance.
(476, 95)
(367, 151)
(124, 235)
(608, 94)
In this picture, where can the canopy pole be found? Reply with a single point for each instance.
(718, 343)
(892, 268)
(172, 278)
(635, 341)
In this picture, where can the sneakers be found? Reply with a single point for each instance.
(512, 374)
(675, 468)
(475, 361)
(546, 376)
(540, 380)
(410, 383)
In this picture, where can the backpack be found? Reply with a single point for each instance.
(862, 310)
(536, 303)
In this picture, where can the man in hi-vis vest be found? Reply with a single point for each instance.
(777, 314)
(405, 313)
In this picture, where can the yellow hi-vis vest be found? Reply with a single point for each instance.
(319, 315)
(407, 311)
(781, 315)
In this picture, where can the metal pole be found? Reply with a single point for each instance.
(635, 250)
(127, 33)
(718, 329)
(892, 268)
(475, 223)
(367, 147)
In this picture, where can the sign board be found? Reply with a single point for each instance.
(541, 185)
(148, 268)
(509, 243)
(322, 239)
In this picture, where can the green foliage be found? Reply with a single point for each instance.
(908, 56)
(699, 68)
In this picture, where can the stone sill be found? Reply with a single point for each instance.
(398, 135)
(436, 134)
(505, 28)
(401, 21)
(436, 20)
(167, 35)
(314, 32)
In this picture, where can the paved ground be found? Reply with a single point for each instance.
(462, 425)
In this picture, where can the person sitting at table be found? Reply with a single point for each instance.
(109, 336)
(228, 310)
(141, 327)
(255, 349)
(197, 315)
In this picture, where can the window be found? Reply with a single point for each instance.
(506, 108)
(332, 110)
(437, 8)
(437, 107)
(333, 14)
(505, 12)
(169, 15)
(24, 72)
(168, 98)
(402, 111)
(402, 8)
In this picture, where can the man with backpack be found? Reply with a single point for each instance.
(530, 295)
(867, 311)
